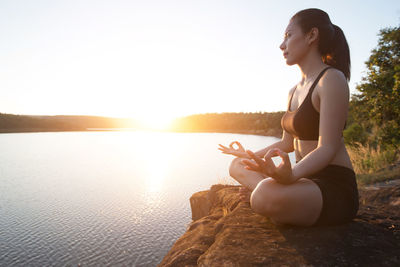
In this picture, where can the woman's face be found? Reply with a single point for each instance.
(294, 45)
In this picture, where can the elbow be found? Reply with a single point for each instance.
(287, 144)
(287, 147)
(290, 148)
(329, 151)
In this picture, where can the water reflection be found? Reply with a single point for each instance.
(156, 176)
(157, 150)
(69, 198)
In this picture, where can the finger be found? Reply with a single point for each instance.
(253, 168)
(231, 144)
(285, 159)
(268, 158)
(284, 156)
(248, 162)
(239, 145)
(236, 143)
(249, 165)
(256, 158)
(262, 167)
(252, 165)
(224, 147)
(270, 167)
(271, 153)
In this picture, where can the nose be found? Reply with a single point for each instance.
(282, 46)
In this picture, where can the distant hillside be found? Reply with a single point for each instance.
(27, 123)
(247, 123)
(261, 123)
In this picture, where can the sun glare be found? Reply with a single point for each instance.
(155, 122)
(157, 169)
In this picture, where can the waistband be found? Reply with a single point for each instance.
(335, 171)
(330, 166)
(336, 168)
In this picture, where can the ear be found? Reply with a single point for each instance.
(312, 35)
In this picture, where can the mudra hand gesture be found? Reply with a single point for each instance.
(239, 152)
(282, 173)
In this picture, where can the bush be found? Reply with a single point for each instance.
(355, 134)
(369, 159)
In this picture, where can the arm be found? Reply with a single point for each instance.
(285, 144)
(334, 100)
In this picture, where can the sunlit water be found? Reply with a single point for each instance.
(104, 198)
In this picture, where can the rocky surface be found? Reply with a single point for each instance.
(226, 232)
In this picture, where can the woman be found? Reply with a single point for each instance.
(321, 188)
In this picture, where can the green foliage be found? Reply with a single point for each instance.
(369, 159)
(355, 134)
(377, 108)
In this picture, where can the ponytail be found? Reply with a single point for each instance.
(338, 54)
(332, 43)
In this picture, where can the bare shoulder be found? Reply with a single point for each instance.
(333, 82)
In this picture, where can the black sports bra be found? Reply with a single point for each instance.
(303, 123)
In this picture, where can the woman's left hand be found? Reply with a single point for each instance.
(282, 173)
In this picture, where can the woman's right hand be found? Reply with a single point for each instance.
(239, 152)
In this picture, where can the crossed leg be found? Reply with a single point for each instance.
(299, 203)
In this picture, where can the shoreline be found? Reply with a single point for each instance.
(271, 133)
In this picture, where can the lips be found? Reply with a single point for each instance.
(285, 54)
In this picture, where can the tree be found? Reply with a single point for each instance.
(377, 106)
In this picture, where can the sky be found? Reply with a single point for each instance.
(155, 60)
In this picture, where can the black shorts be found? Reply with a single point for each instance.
(339, 193)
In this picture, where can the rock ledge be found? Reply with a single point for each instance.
(226, 232)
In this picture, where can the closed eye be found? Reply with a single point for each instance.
(286, 35)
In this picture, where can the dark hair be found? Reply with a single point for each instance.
(332, 43)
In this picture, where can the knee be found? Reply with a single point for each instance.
(265, 199)
(236, 168)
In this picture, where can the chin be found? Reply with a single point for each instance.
(290, 62)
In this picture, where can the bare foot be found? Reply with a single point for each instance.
(244, 194)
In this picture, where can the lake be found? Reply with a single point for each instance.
(104, 198)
